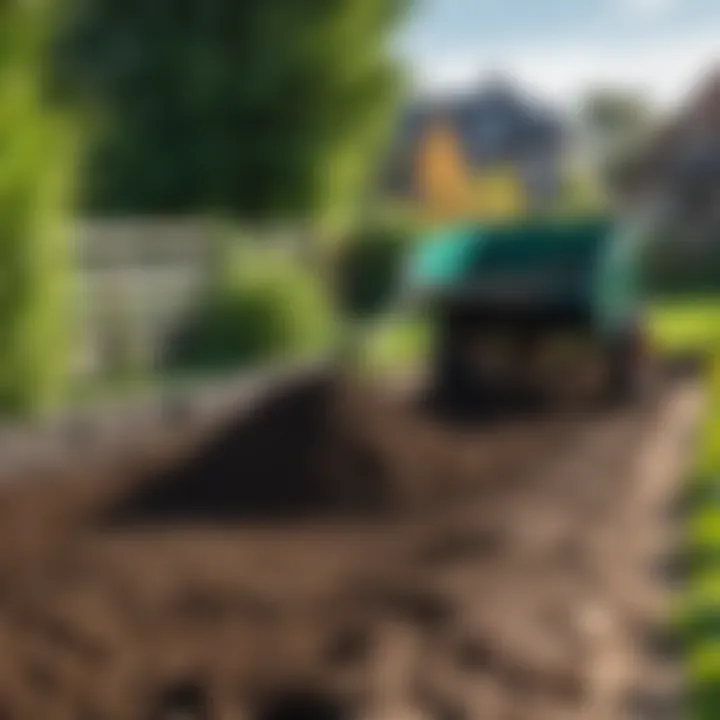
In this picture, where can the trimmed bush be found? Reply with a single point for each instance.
(677, 271)
(677, 264)
(261, 308)
(370, 268)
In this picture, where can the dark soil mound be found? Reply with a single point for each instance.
(298, 454)
(327, 446)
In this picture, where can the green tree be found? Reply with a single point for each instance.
(35, 185)
(616, 116)
(616, 123)
(266, 110)
(583, 192)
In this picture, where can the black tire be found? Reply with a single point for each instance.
(451, 381)
(455, 383)
(632, 376)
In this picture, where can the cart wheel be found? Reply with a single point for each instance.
(452, 383)
(633, 375)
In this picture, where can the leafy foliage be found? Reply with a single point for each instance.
(582, 193)
(617, 122)
(35, 183)
(261, 308)
(269, 109)
(370, 267)
(700, 610)
(615, 115)
(676, 266)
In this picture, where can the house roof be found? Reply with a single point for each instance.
(495, 124)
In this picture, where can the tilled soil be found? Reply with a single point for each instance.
(337, 553)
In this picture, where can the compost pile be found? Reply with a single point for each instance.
(333, 552)
(329, 447)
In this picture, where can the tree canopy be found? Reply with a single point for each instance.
(271, 109)
(616, 119)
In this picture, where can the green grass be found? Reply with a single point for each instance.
(687, 324)
(395, 343)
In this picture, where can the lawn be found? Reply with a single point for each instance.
(395, 343)
(686, 324)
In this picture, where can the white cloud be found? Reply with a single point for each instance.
(664, 70)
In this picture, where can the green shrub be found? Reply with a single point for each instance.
(677, 267)
(260, 309)
(36, 188)
(370, 268)
(700, 608)
(398, 342)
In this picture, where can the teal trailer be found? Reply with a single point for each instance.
(554, 309)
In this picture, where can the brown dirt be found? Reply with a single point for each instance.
(335, 552)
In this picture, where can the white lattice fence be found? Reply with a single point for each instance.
(137, 282)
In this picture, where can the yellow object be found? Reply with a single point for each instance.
(441, 174)
(449, 190)
(498, 194)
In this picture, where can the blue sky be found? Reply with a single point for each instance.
(561, 47)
